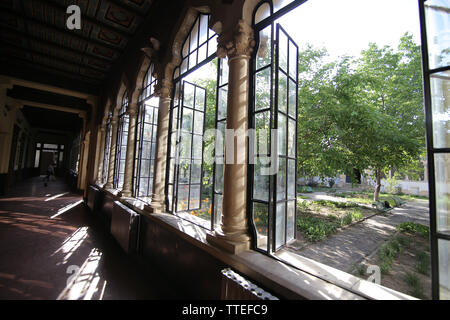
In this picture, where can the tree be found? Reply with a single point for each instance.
(364, 113)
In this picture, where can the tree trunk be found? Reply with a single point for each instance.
(378, 186)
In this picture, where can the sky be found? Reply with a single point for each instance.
(347, 26)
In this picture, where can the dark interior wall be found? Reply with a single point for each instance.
(195, 273)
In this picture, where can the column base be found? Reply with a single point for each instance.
(154, 207)
(228, 244)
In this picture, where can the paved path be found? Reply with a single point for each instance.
(348, 247)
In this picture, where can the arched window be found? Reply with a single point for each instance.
(274, 117)
(122, 138)
(194, 184)
(147, 123)
(107, 148)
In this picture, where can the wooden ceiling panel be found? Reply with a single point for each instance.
(35, 32)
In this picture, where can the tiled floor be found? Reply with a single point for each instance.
(51, 248)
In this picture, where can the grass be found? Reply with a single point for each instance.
(414, 228)
(423, 263)
(389, 251)
(366, 197)
(415, 287)
(315, 228)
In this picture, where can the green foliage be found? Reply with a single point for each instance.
(305, 189)
(414, 284)
(364, 112)
(315, 229)
(414, 228)
(387, 253)
(423, 263)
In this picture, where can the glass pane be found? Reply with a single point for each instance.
(262, 89)
(218, 209)
(184, 65)
(442, 176)
(187, 120)
(203, 29)
(278, 4)
(282, 92)
(283, 43)
(292, 98)
(143, 186)
(196, 172)
(262, 12)
(262, 127)
(290, 221)
(281, 179)
(145, 168)
(148, 114)
(183, 196)
(36, 159)
(50, 146)
(188, 95)
(212, 45)
(223, 94)
(291, 138)
(444, 269)
(291, 179)
(185, 145)
(281, 134)
(219, 178)
(194, 37)
(261, 183)
(198, 122)
(224, 71)
(197, 147)
(438, 32)
(192, 59)
(194, 201)
(200, 99)
(440, 102)
(202, 53)
(184, 171)
(261, 220)
(292, 60)
(280, 225)
(263, 57)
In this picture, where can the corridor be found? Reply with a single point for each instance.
(52, 248)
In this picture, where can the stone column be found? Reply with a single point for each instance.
(101, 153)
(162, 136)
(233, 235)
(112, 151)
(127, 190)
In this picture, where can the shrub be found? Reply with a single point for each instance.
(423, 263)
(414, 228)
(315, 229)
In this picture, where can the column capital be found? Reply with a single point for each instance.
(132, 109)
(164, 88)
(239, 42)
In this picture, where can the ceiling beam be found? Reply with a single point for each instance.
(46, 87)
(55, 57)
(63, 30)
(80, 113)
(30, 37)
(68, 73)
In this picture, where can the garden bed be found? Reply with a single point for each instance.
(404, 261)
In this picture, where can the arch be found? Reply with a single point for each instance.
(180, 37)
(106, 111)
(118, 98)
(144, 65)
(249, 8)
